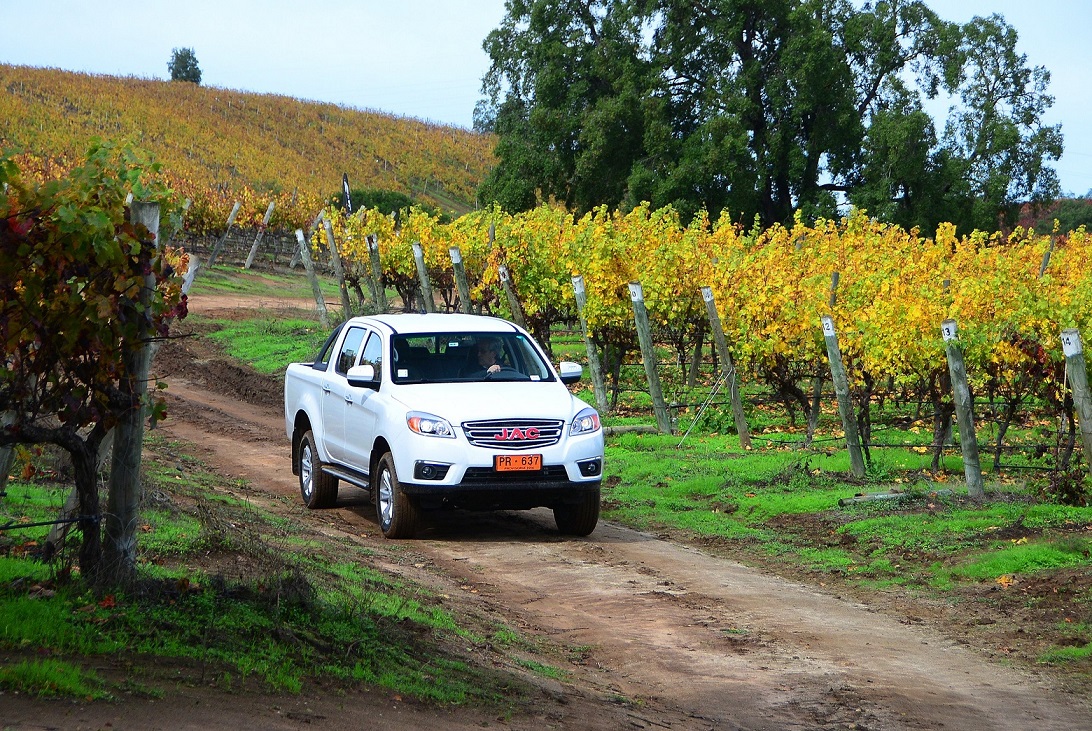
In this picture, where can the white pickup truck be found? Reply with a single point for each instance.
(430, 411)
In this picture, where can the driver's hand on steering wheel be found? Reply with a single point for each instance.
(495, 368)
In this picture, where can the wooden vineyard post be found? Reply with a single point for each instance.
(1077, 373)
(513, 301)
(339, 270)
(422, 277)
(961, 393)
(227, 229)
(373, 288)
(817, 382)
(377, 273)
(258, 237)
(310, 230)
(123, 499)
(845, 405)
(598, 384)
(309, 267)
(1046, 257)
(727, 367)
(648, 356)
(461, 281)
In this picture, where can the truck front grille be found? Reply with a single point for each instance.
(513, 434)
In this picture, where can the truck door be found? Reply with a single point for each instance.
(336, 393)
(361, 412)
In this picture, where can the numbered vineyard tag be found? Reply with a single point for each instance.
(578, 285)
(707, 294)
(948, 330)
(456, 255)
(1071, 343)
(636, 294)
(828, 326)
(503, 271)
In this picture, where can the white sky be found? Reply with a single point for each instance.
(424, 58)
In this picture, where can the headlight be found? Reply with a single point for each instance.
(586, 422)
(429, 425)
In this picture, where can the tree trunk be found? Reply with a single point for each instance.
(942, 425)
(83, 466)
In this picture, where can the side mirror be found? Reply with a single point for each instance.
(570, 372)
(363, 376)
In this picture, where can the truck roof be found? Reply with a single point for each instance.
(437, 322)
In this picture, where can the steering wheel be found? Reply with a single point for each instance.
(508, 373)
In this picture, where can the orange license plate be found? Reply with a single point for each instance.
(517, 462)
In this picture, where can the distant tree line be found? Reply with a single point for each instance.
(765, 108)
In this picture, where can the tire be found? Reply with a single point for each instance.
(397, 512)
(318, 489)
(578, 519)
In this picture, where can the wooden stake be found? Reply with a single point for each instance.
(648, 356)
(1077, 374)
(123, 499)
(727, 367)
(461, 281)
(961, 392)
(422, 277)
(510, 293)
(307, 234)
(598, 384)
(258, 238)
(339, 270)
(227, 229)
(377, 273)
(845, 404)
(309, 267)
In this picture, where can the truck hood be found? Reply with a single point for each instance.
(500, 400)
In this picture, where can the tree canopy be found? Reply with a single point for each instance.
(763, 108)
(183, 66)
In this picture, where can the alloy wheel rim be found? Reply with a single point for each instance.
(386, 499)
(306, 472)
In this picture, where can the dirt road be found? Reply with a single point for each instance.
(688, 640)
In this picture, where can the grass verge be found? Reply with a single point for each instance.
(232, 595)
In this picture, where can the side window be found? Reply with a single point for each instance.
(373, 353)
(322, 360)
(349, 349)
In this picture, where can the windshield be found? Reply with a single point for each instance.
(457, 357)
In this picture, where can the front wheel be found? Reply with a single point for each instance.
(397, 512)
(580, 518)
(317, 488)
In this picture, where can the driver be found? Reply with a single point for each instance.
(488, 349)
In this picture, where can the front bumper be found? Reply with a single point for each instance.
(504, 492)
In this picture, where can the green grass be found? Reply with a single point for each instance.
(45, 678)
(269, 344)
(776, 502)
(284, 619)
(1027, 558)
(224, 279)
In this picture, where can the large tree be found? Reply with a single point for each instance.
(764, 107)
(568, 91)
